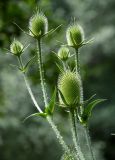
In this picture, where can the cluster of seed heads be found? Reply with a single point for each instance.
(69, 82)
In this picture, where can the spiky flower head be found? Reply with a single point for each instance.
(38, 25)
(63, 53)
(16, 48)
(75, 35)
(69, 86)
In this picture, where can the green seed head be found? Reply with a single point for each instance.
(75, 35)
(69, 84)
(38, 25)
(16, 48)
(63, 53)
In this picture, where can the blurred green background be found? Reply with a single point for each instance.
(34, 139)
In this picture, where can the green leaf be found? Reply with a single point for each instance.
(19, 68)
(60, 68)
(62, 97)
(88, 109)
(72, 38)
(15, 66)
(75, 101)
(50, 108)
(88, 42)
(53, 30)
(35, 114)
(56, 56)
(29, 62)
(87, 101)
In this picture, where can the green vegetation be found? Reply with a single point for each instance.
(34, 138)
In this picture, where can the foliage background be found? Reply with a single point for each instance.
(34, 139)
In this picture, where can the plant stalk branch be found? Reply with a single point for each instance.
(43, 85)
(74, 135)
(88, 142)
(28, 86)
(77, 63)
(58, 135)
(31, 94)
(41, 70)
(54, 127)
(86, 133)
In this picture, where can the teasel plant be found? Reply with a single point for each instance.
(71, 96)
(69, 86)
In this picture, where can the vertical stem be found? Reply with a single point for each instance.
(77, 66)
(74, 134)
(59, 137)
(77, 62)
(20, 61)
(43, 85)
(41, 70)
(89, 142)
(64, 66)
(76, 125)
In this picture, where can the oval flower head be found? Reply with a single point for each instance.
(38, 25)
(69, 89)
(63, 53)
(75, 35)
(16, 48)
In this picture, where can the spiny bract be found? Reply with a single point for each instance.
(75, 35)
(63, 53)
(38, 25)
(16, 47)
(69, 84)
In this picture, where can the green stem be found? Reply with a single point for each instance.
(31, 94)
(86, 133)
(76, 125)
(77, 64)
(58, 135)
(74, 135)
(28, 86)
(64, 66)
(20, 61)
(88, 142)
(43, 85)
(54, 127)
(41, 70)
